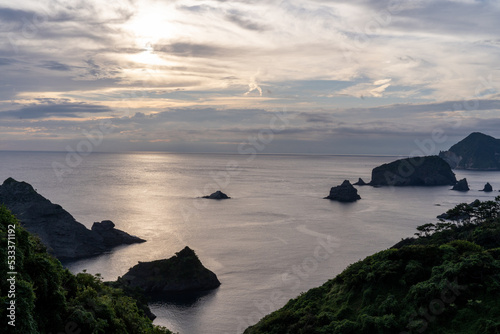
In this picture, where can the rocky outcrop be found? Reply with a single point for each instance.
(443, 216)
(182, 272)
(461, 185)
(217, 195)
(64, 237)
(487, 188)
(476, 152)
(111, 237)
(360, 182)
(344, 193)
(418, 171)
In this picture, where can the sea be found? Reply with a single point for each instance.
(273, 240)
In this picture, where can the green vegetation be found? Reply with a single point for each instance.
(49, 299)
(446, 280)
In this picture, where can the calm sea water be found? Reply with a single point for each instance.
(273, 240)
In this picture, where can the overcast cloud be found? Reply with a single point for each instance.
(360, 76)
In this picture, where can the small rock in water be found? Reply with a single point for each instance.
(217, 195)
(344, 193)
(360, 182)
(461, 185)
(487, 188)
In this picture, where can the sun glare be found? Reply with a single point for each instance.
(147, 57)
(151, 26)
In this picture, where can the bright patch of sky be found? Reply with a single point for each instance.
(359, 76)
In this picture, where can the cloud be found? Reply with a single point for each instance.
(6, 61)
(347, 66)
(55, 66)
(94, 70)
(253, 86)
(433, 107)
(318, 118)
(222, 130)
(361, 90)
(237, 19)
(378, 91)
(199, 50)
(53, 109)
(382, 82)
(15, 15)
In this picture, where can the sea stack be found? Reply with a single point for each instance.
(217, 195)
(487, 188)
(344, 193)
(461, 185)
(360, 182)
(182, 272)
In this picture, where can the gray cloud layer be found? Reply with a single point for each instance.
(73, 110)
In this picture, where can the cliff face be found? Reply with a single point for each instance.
(476, 152)
(182, 272)
(419, 171)
(64, 237)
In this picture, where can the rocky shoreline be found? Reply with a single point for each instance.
(64, 237)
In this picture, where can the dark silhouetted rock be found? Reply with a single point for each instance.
(64, 237)
(418, 171)
(217, 195)
(182, 272)
(461, 185)
(487, 188)
(360, 182)
(443, 216)
(475, 152)
(113, 237)
(344, 193)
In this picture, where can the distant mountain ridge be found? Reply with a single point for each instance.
(476, 152)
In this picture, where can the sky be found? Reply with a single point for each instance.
(402, 77)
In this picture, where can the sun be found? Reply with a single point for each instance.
(152, 25)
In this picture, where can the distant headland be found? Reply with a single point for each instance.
(475, 152)
(417, 171)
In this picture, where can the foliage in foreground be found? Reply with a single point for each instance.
(447, 280)
(49, 299)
